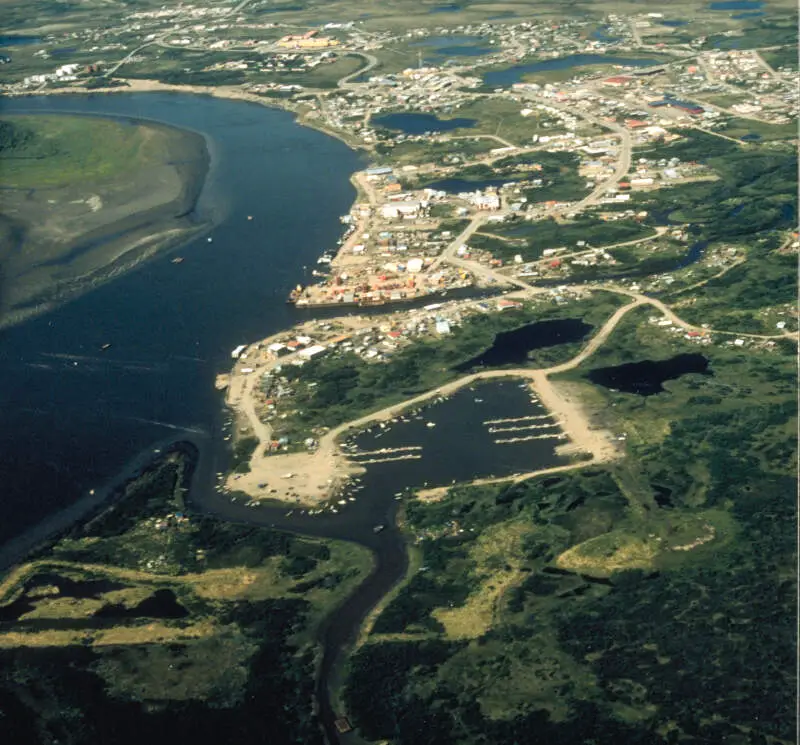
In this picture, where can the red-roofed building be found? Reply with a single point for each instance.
(617, 80)
(635, 123)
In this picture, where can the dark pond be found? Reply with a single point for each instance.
(751, 137)
(459, 185)
(18, 41)
(662, 495)
(673, 24)
(455, 45)
(70, 588)
(512, 347)
(417, 123)
(736, 5)
(645, 378)
(511, 75)
(161, 604)
(450, 8)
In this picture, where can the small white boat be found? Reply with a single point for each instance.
(431, 424)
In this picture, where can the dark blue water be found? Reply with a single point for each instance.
(451, 8)
(645, 378)
(459, 185)
(18, 41)
(752, 137)
(673, 24)
(511, 75)
(512, 347)
(417, 124)
(70, 416)
(736, 5)
(461, 446)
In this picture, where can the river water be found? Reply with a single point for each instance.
(72, 416)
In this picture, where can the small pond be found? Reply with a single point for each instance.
(10, 40)
(512, 347)
(460, 185)
(161, 604)
(736, 5)
(645, 378)
(417, 123)
(455, 45)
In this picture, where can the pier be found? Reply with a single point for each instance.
(518, 419)
(384, 451)
(528, 438)
(524, 427)
(391, 459)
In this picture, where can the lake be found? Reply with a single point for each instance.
(645, 378)
(417, 123)
(512, 347)
(455, 45)
(511, 75)
(460, 185)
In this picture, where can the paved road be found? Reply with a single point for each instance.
(623, 161)
(345, 82)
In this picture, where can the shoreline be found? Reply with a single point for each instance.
(44, 533)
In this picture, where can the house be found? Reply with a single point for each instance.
(311, 352)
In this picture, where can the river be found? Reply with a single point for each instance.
(74, 417)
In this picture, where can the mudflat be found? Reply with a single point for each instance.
(84, 198)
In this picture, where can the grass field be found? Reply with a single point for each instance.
(67, 150)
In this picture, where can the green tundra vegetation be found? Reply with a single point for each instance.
(146, 625)
(517, 236)
(58, 151)
(650, 600)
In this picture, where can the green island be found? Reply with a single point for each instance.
(595, 202)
